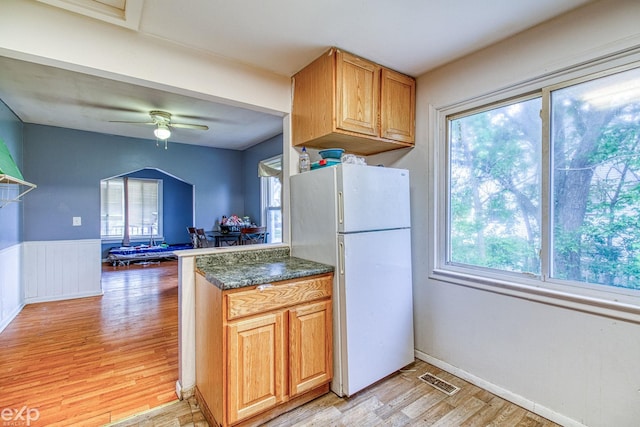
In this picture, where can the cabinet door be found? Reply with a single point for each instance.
(310, 344)
(397, 106)
(256, 365)
(357, 94)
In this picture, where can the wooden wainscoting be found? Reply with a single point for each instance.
(10, 296)
(91, 361)
(61, 269)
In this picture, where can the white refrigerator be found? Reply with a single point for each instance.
(357, 219)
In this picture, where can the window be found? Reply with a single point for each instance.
(270, 172)
(595, 147)
(547, 186)
(495, 187)
(111, 208)
(141, 201)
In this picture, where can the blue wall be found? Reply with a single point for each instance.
(67, 165)
(177, 208)
(177, 205)
(251, 156)
(11, 131)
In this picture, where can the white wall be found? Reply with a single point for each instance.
(577, 367)
(11, 298)
(39, 33)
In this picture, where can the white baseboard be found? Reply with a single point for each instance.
(501, 392)
(36, 300)
(9, 318)
(184, 393)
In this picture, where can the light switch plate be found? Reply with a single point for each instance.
(77, 221)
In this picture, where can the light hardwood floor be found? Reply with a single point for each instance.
(113, 359)
(95, 360)
(399, 400)
(404, 400)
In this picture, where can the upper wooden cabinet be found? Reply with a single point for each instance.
(357, 95)
(341, 100)
(397, 106)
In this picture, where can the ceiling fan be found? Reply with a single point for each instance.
(162, 121)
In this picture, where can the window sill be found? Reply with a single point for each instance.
(132, 240)
(599, 306)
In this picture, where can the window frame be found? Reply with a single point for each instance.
(447, 169)
(602, 299)
(108, 183)
(266, 196)
(137, 237)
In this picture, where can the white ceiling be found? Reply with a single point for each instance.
(281, 36)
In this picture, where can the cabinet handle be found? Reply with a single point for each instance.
(341, 257)
(263, 287)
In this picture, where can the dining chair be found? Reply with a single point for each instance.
(253, 235)
(203, 241)
(193, 236)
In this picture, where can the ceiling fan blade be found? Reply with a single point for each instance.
(82, 103)
(93, 104)
(188, 126)
(135, 123)
(202, 118)
(163, 118)
(190, 117)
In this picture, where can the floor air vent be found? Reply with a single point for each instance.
(439, 383)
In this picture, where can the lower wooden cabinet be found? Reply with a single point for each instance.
(256, 365)
(263, 350)
(310, 356)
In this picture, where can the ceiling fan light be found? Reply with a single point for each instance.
(162, 132)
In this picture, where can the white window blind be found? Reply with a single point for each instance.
(111, 208)
(142, 202)
(143, 207)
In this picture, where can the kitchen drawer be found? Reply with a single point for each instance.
(268, 297)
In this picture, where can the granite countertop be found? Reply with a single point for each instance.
(234, 270)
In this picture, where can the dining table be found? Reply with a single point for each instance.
(229, 238)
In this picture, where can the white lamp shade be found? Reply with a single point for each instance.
(162, 132)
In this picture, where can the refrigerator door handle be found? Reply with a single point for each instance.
(340, 208)
(341, 256)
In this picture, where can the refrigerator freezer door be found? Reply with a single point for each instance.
(313, 215)
(374, 282)
(372, 198)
